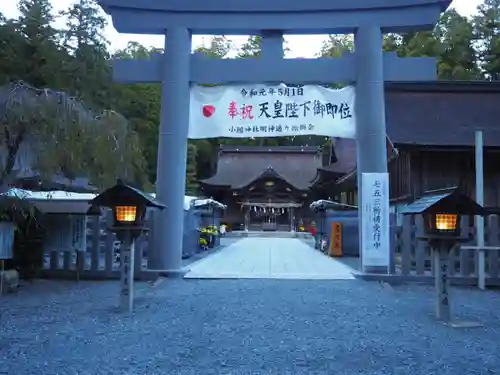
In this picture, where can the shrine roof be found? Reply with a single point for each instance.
(345, 153)
(443, 113)
(276, 6)
(239, 166)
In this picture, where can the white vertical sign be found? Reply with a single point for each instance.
(375, 242)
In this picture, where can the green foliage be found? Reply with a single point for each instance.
(487, 35)
(140, 104)
(87, 71)
(251, 48)
(336, 45)
(28, 249)
(218, 48)
(451, 42)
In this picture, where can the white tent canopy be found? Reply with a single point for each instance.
(189, 201)
(324, 204)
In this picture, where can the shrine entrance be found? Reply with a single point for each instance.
(367, 70)
(264, 220)
(270, 216)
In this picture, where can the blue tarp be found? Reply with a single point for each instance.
(192, 222)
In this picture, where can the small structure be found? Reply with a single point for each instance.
(210, 214)
(211, 211)
(442, 216)
(63, 221)
(192, 218)
(197, 213)
(9, 279)
(129, 211)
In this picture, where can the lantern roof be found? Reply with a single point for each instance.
(445, 203)
(123, 194)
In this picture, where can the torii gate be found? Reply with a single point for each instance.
(368, 67)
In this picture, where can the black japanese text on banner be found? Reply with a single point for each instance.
(271, 111)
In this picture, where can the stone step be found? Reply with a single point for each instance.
(269, 234)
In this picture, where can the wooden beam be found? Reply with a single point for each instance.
(259, 70)
(292, 16)
(275, 6)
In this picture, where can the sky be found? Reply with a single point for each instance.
(299, 45)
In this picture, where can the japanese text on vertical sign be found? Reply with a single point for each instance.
(377, 213)
(375, 235)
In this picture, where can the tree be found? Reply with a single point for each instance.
(336, 45)
(251, 48)
(39, 55)
(451, 42)
(61, 136)
(87, 69)
(456, 54)
(11, 51)
(140, 104)
(486, 26)
(219, 47)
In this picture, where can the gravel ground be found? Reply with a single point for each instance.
(245, 327)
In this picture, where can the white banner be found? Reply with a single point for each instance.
(271, 111)
(375, 220)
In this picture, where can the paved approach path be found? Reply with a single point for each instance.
(269, 258)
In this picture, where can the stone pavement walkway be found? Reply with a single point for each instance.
(270, 258)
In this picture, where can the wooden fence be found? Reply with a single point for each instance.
(413, 259)
(93, 256)
(96, 260)
(412, 256)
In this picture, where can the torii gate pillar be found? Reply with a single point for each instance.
(368, 68)
(172, 153)
(371, 155)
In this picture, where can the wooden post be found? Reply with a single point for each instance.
(127, 274)
(442, 283)
(480, 200)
